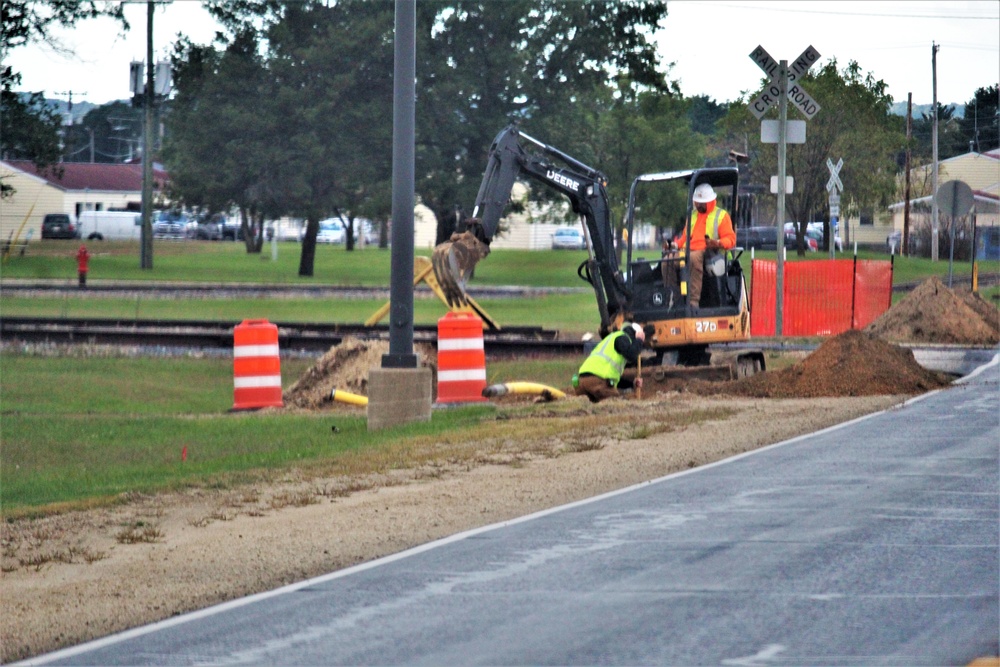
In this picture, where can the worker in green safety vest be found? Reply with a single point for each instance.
(600, 376)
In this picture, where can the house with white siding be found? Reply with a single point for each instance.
(68, 187)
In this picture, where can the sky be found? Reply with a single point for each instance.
(709, 42)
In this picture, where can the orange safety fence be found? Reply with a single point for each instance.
(820, 297)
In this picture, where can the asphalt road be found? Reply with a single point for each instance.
(876, 542)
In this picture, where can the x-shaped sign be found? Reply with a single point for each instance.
(834, 184)
(772, 91)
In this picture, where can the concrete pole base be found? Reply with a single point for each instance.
(398, 396)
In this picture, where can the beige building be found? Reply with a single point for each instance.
(980, 171)
(82, 186)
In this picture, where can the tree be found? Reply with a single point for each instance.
(482, 66)
(218, 134)
(980, 125)
(30, 130)
(638, 132)
(320, 105)
(951, 140)
(855, 123)
(30, 126)
(332, 65)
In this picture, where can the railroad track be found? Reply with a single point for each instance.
(293, 337)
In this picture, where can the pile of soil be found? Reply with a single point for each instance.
(853, 363)
(345, 367)
(867, 363)
(933, 313)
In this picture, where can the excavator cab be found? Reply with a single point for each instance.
(657, 275)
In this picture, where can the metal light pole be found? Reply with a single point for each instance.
(146, 252)
(403, 178)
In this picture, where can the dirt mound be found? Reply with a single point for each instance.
(933, 313)
(853, 363)
(986, 310)
(345, 367)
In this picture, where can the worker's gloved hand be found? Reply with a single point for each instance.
(713, 244)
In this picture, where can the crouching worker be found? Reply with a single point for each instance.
(600, 376)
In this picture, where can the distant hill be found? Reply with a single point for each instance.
(899, 109)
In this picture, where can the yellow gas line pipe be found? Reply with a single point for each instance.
(533, 388)
(348, 397)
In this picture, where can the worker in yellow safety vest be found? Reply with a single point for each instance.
(600, 376)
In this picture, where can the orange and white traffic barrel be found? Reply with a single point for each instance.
(461, 358)
(256, 366)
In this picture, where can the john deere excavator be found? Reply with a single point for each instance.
(651, 292)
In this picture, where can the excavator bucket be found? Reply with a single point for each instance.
(454, 261)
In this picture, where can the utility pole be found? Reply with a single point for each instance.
(934, 142)
(69, 105)
(906, 197)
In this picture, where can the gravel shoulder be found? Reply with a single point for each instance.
(206, 547)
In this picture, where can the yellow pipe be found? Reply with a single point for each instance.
(534, 388)
(348, 397)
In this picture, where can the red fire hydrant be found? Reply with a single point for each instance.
(82, 258)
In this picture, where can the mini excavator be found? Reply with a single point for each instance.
(652, 292)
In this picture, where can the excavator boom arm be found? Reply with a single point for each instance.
(582, 185)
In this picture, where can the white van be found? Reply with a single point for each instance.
(110, 225)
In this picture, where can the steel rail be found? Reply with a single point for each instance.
(292, 336)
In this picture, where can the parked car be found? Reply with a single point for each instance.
(284, 231)
(792, 243)
(331, 230)
(170, 225)
(568, 238)
(759, 238)
(231, 229)
(59, 226)
(209, 230)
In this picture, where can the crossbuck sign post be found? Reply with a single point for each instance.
(777, 91)
(834, 186)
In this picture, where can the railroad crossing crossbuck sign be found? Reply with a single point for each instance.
(834, 186)
(772, 91)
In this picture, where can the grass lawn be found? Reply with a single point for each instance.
(84, 430)
(221, 263)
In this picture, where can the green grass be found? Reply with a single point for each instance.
(575, 312)
(79, 430)
(219, 263)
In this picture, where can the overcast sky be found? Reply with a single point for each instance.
(709, 43)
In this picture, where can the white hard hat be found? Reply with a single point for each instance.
(639, 333)
(703, 194)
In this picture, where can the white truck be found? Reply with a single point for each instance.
(110, 225)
